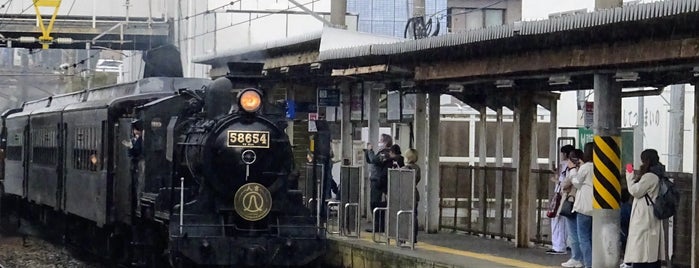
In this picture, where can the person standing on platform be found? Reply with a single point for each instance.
(396, 157)
(378, 177)
(574, 161)
(583, 204)
(644, 243)
(558, 223)
(411, 158)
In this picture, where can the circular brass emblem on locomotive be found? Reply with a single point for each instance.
(253, 201)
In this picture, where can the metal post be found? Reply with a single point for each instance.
(419, 122)
(523, 216)
(553, 134)
(338, 9)
(638, 132)
(675, 146)
(676, 128)
(88, 65)
(181, 203)
(534, 202)
(499, 176)
(695, 185)
(482, 152)
(605, 216)
(432, 179)
(346, 125)
(373, 139)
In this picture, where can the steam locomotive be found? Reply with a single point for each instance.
(162, 171)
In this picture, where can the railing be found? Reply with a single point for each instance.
(467, 192)
(480, 200)
(681, 240)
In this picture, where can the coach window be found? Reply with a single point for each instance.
(85, 153)
(44, 146)
(14, 146)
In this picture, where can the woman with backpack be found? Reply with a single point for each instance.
(645, 238)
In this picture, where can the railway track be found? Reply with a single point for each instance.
(24, 247)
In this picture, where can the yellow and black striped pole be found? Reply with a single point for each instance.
(607, 166)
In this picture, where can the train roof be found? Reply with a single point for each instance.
(105, 96)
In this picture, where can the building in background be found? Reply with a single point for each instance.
(389, 17)
(476, 14)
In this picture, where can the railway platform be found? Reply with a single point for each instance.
(444, 249)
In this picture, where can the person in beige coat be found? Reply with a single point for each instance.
(643, 246)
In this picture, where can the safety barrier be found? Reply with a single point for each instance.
(346, 220)
(400, 201)
(480, 200)
(350, 193)
(312, 189)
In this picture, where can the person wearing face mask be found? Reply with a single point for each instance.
(379, 163)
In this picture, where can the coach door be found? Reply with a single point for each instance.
(86, 175)
(44, 170)
(15, 172)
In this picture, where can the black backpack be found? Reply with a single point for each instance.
(665, 205)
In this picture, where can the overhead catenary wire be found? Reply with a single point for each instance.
(208, 11)
(245, 21)
(4, 22)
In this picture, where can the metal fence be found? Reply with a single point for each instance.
(467, 192)
(680, 243)
(480, 200)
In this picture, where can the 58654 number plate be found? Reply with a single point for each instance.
(248, 139)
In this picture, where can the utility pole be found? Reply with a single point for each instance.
(338, 9)
(418, 8)
(675, 144)
(606, 185)
(676, 135)
(420, 129)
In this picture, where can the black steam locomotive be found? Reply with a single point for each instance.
(165, 170)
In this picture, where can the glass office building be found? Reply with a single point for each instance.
(389, 17)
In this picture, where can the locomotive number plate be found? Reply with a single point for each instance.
(248, 139)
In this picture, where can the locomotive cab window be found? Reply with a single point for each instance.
(86, 155)
(44, 146)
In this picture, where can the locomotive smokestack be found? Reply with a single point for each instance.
(219, 98)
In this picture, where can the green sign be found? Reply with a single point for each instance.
(586, 135)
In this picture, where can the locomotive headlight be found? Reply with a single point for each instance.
(250, 101)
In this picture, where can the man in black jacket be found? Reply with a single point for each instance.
(379, 162)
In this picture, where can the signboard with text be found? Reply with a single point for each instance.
(328, 97)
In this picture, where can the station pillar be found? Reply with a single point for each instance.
(346, 124)
(432, 179)
(420, 133)
(607, 172)
(499, 155)
(372, 101)
(526, 110)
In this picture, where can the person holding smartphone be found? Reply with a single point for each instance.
(573, 164)
(582, 207)
(558, 223)
(645, 238)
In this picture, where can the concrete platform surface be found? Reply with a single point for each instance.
(437, 250)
